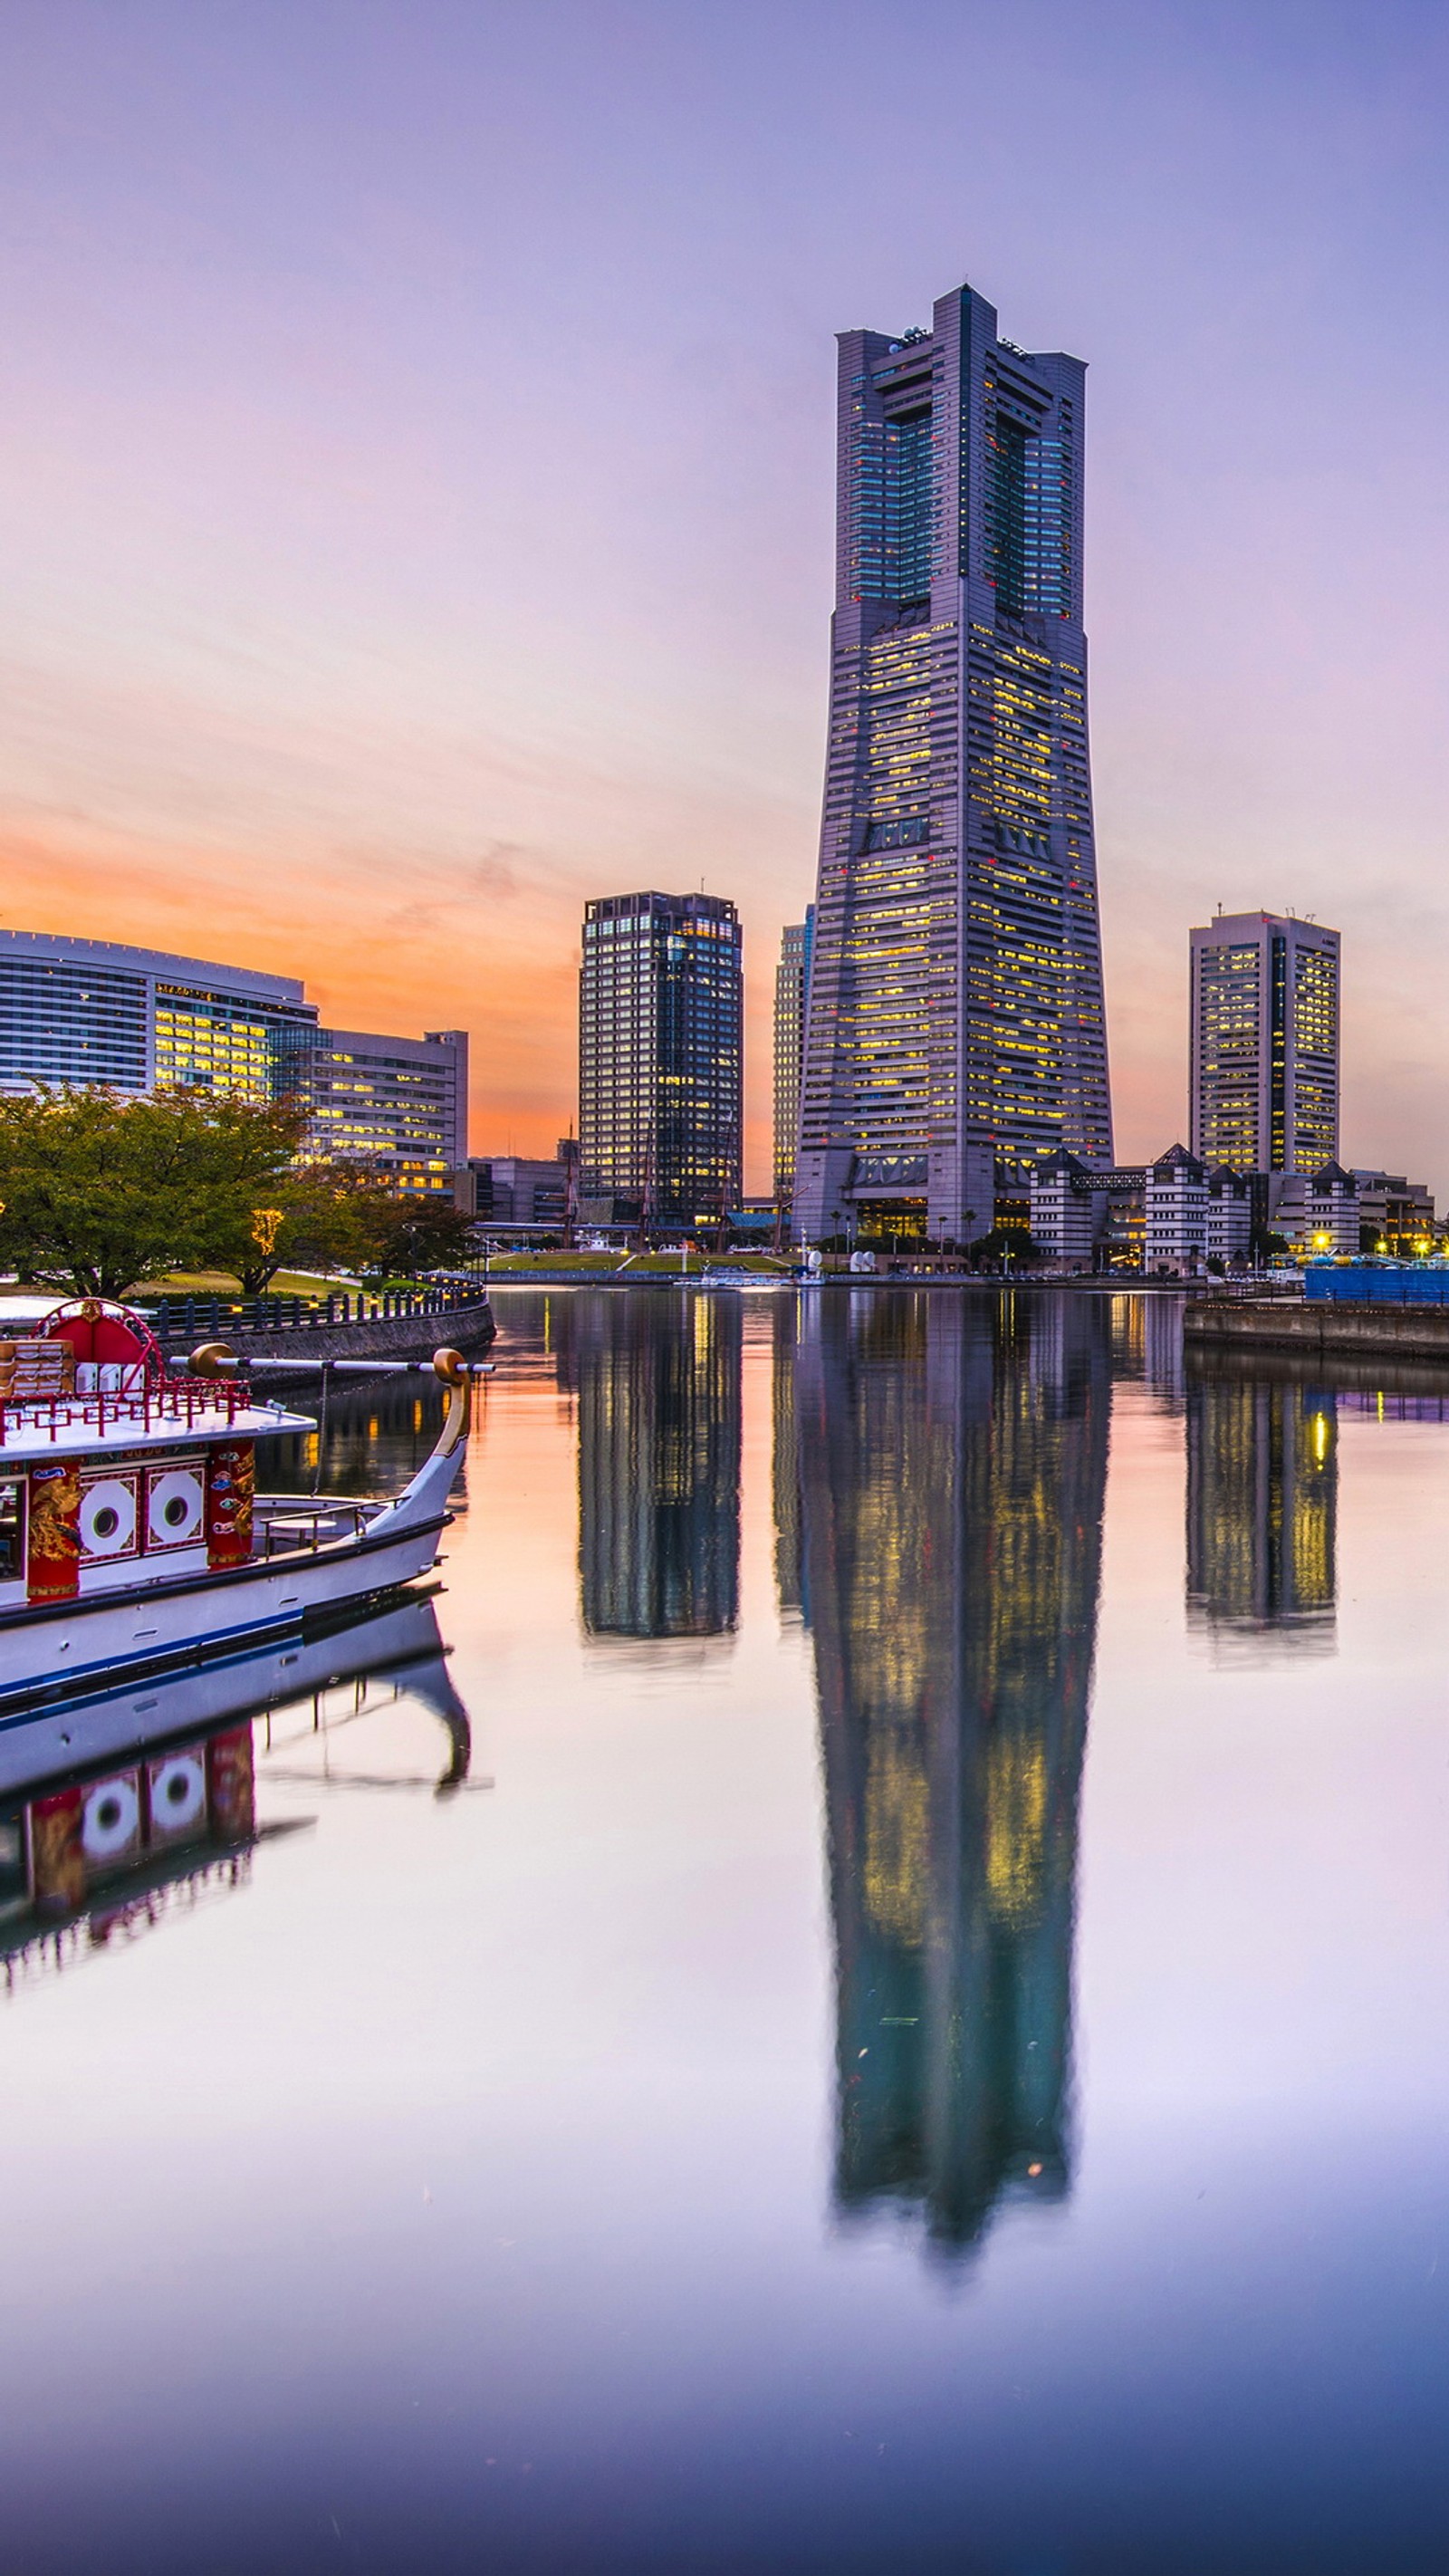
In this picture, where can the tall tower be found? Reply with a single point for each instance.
(956, 1016)
(1264, 1006)
(660, 1037)
(792, 981)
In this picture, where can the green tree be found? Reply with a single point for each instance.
(422, 1234)
(100, 1190)
(318, 1216)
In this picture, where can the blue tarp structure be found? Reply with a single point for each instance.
(1378, 1283)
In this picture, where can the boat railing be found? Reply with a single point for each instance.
(285, 1524)
(162, 1404)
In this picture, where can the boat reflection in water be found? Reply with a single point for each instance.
(952, 1469)
(1262, 1509)
(159, 1810)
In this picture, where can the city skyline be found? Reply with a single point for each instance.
(381, 585)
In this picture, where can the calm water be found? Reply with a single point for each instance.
(885, 2007)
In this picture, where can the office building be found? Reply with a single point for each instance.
(1236, 1213)
(955, 1016)
(141, 1019)
(1318, 1213)
(399, 1104)
(792, 978)
(1264, 1042)
(508, 1192)
(661, 1018)
(1064, 1211)
(1396, 1216)
(1175, 1205)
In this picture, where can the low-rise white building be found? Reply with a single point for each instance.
(1176, 1213)
(1319, 1212)
(1066, 1212)
(1229, 1215)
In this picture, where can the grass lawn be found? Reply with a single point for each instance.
(635, 1265)
(220, 1283)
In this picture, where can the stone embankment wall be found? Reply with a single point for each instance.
(1405, 1332)
(377, 1337)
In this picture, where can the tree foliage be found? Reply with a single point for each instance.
(100, 1190)
(421, 1234)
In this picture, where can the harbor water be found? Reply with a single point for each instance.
(868, 1987)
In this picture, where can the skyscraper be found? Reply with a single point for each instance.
(1264, 1006)
(660, 1052)
(792, 978)
(956, 1015)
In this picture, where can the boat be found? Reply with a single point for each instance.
(750, 1282)
(133, 1540)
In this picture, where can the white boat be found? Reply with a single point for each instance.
(133, 1541)
(748, 1281)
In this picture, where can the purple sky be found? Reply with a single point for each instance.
(418, 505)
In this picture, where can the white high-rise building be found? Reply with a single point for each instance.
(1265, 1043)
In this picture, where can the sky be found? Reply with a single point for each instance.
(417, 488)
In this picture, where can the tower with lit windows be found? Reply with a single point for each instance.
(956, 1020)
(792, 980)
(661, 1012)
(1264, 1042)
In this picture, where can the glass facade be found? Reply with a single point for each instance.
(661, 999)
(65, 1018)
(208, 1041)
(956, 1010)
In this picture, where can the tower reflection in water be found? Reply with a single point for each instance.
(659, 1465)
(952, 1470)
(1262, 1509)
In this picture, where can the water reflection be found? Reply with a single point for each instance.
(785, 1462)
(1262, 1509)
(155, 1811)
(372, 1435)
(952, 1467)
(658, 1381)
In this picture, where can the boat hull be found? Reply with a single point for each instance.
(69, 1651)
(120, 1720)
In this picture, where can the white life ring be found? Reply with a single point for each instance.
(175, 1502)
(178, 1794)
(108, 1516)
(111, 1818)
